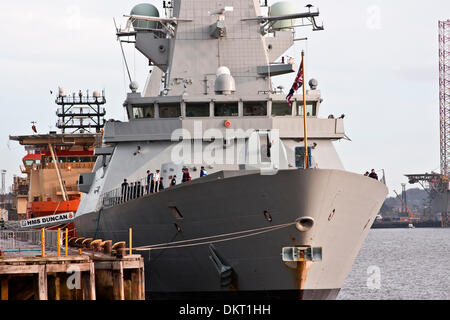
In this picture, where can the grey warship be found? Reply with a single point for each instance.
(261, 224)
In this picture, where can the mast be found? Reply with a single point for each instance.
(79, 112)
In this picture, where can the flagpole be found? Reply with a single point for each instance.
(304, 112)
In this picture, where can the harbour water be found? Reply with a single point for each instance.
(401, 264)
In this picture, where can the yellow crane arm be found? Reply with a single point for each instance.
(405, 206)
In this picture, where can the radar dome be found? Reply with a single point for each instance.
(134, 86)
(225, 84)
(147, 10)
(223, 70)
(281, 9)
(313, 83)
(62, 92)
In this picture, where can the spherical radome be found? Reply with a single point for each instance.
(147, 10)
(313, 83)
(281, 9)
(225, 84)
(223, 70)
(134, 86)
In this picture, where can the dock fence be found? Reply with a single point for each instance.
(23, 240)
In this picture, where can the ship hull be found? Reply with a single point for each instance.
(343, 206)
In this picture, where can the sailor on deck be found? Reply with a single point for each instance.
(186, 175)
(156, 178)
(124, 190)
(373, 175)
(161, 184)
(150, 183)
(173, 182)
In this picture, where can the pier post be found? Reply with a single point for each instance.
(118, 286)
(67, 241)
(42, 287)
(43, 242)
(59, 242)
(57, 287)
(92, 293)
(4, 289)
(142, 282)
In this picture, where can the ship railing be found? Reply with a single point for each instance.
(16, 241)
(78, 99)
(84, 111)
(20, 192)
(121, 194)
(71, 165)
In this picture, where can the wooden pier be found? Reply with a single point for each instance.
(90, 270)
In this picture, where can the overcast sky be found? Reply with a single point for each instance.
(376, 62)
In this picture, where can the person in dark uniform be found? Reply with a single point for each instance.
(139, 190)
(373, 175)
(203, 172)
(186, 175)
(135, 189)
(149, 180)
(160, 184)
(173, 182)
(124, 190)
(130, 191)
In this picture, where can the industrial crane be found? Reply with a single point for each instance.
(411, 216)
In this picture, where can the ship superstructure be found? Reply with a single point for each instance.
(54, 161)
(210, 103)
(53, 164)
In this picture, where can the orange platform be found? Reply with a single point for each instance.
(45, 208)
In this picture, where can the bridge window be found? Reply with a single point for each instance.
(281, 109)
(144, 111)
(169, 110)
(310, 108)
(255, 108)
(226, 109)
(197, 110)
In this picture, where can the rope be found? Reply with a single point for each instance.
(57, 207)
(253, 232)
